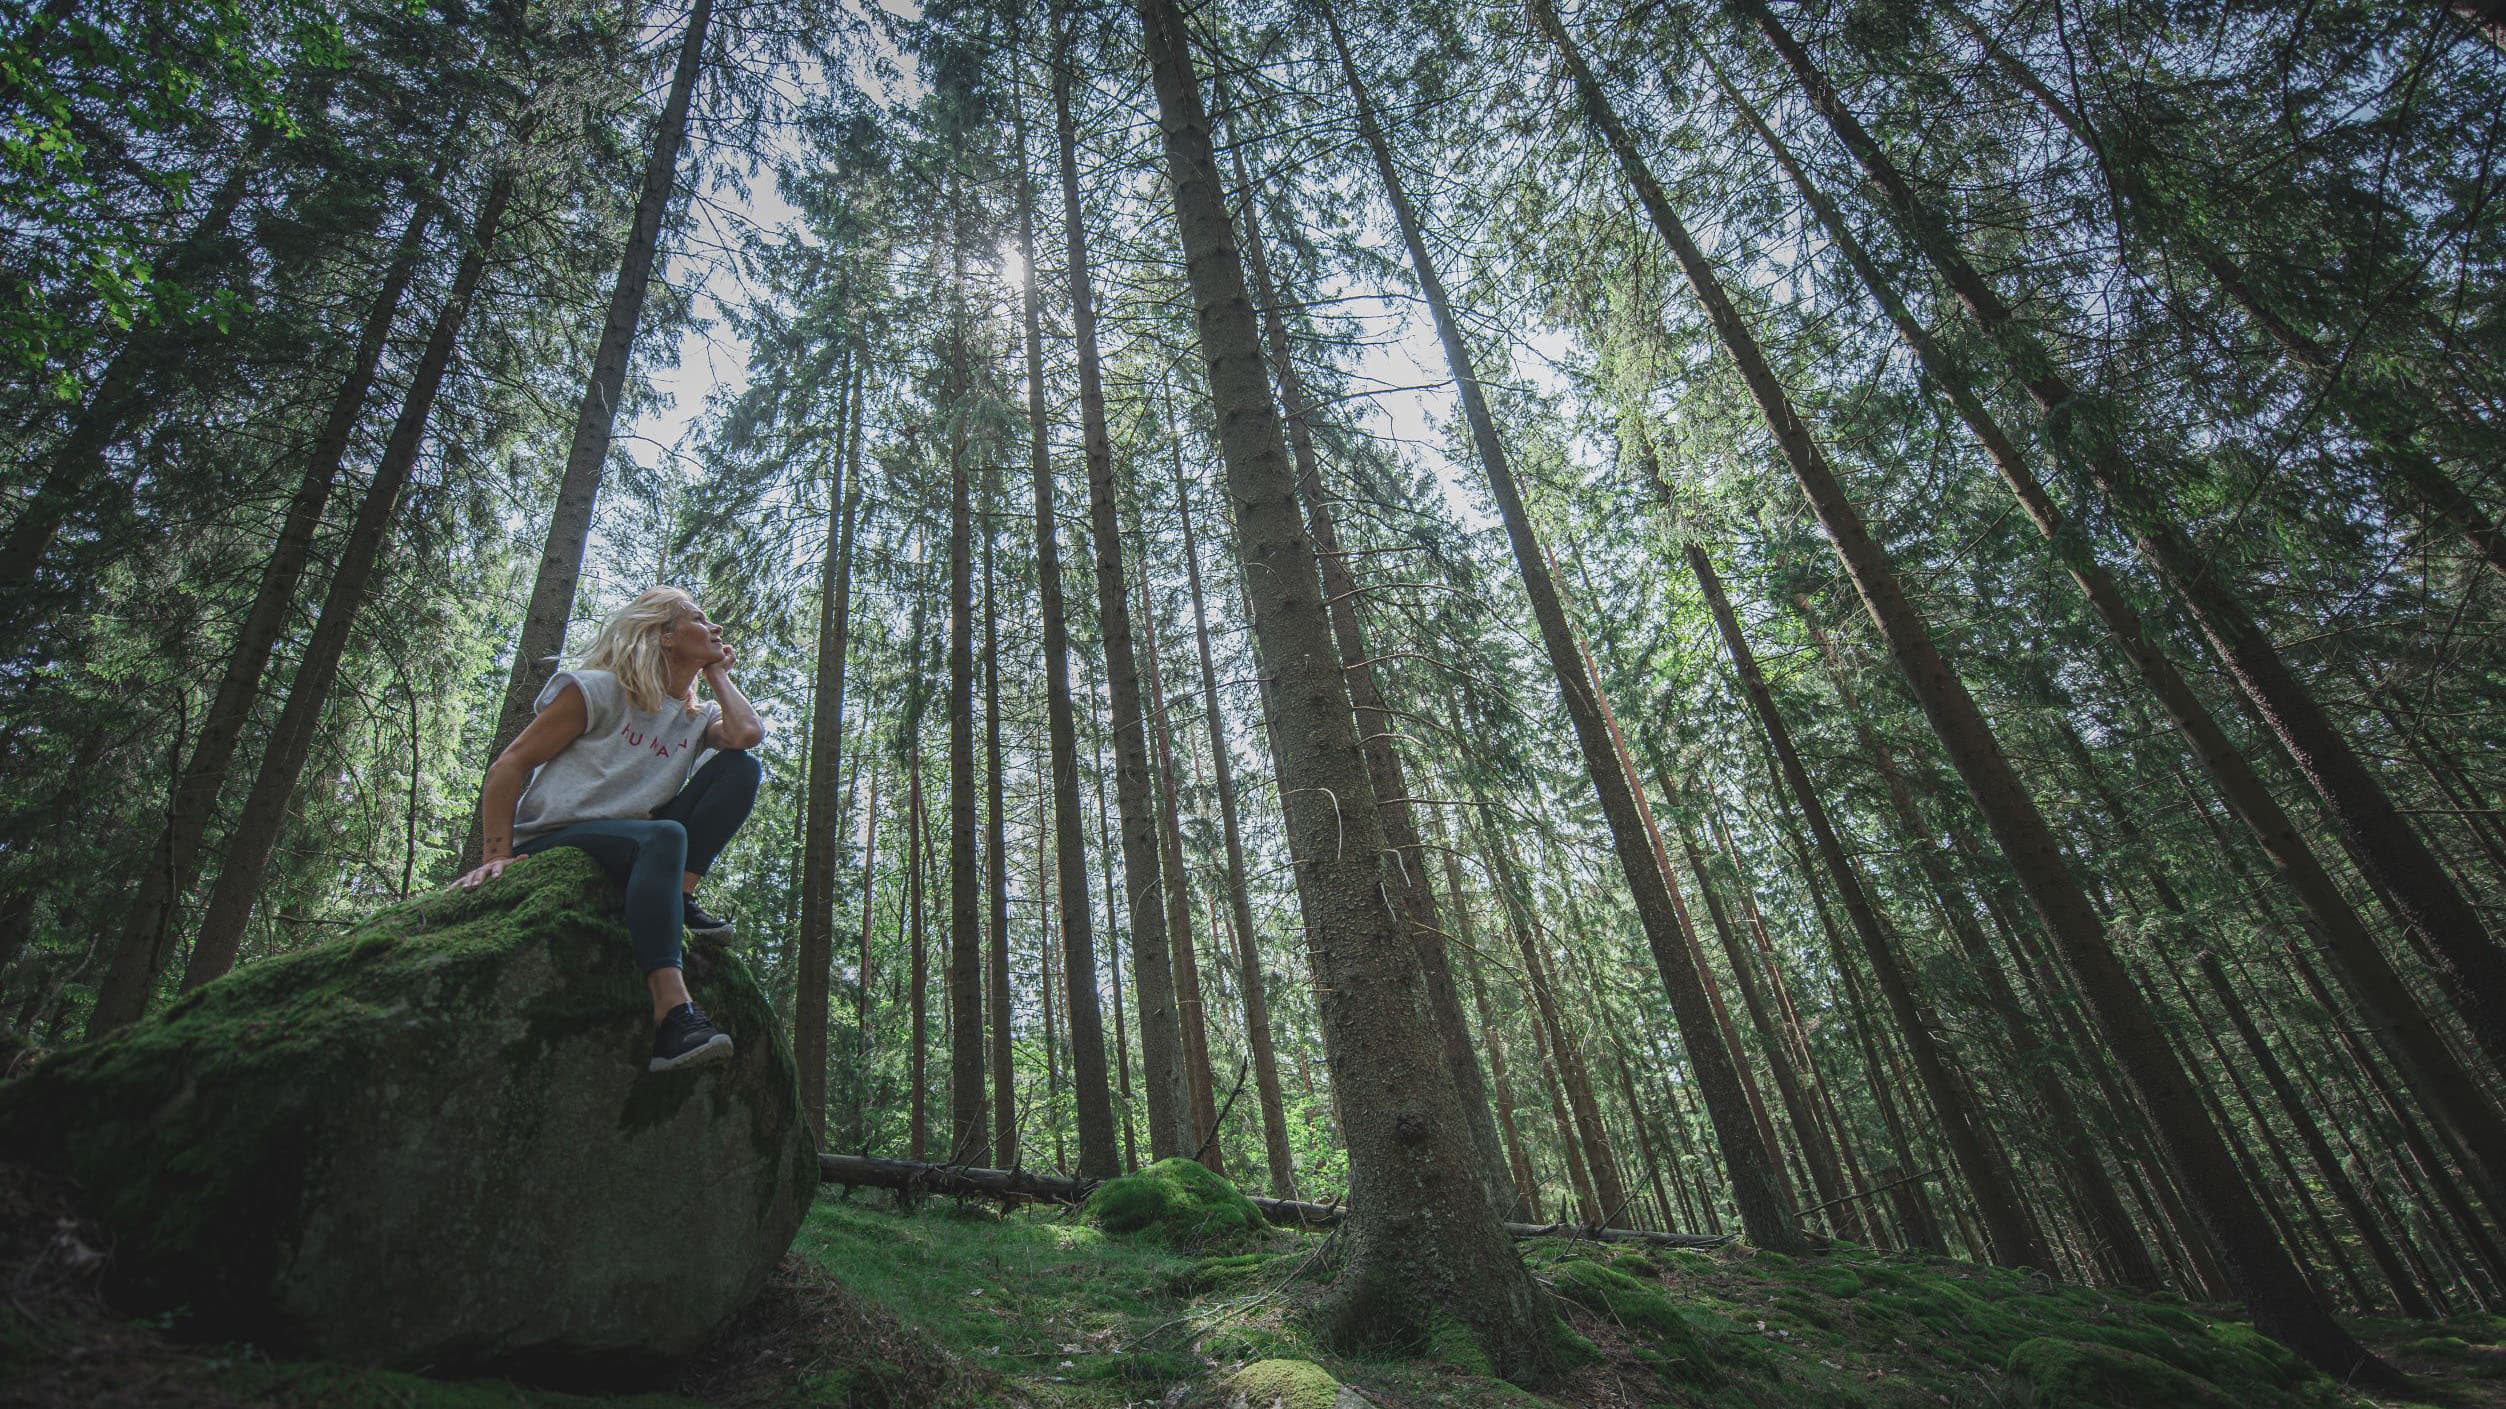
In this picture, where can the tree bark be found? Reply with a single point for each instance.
(1795, 1032)
(2299, 1113)
(1113, 940)
(1520, 1187)
(1377, 730)
(1161, 1027)
(917, 840)
(1820, 1156)
(544, 621)
(257, 827)
(1423, 1244)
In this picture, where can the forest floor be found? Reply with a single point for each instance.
(949, 1306)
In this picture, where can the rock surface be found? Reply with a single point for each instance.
(432, 1142)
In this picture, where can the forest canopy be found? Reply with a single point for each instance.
(1875, 622)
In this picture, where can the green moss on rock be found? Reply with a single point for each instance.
(1675, 1352)
(432, 1140)
(1178, 1203)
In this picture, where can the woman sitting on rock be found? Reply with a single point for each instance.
(614, 743)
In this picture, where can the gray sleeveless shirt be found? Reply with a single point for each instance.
(627, 762)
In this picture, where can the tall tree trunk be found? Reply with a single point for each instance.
(1189, 1009)
(910, 920)
(1522, 1205)
(969, 1142)
(1113, 942)
(1994, 1184)
(1004, 1147)
(861, 969)
(822, 811)
(2261, 1267)
(2416, 1139)
(257, 827)
(2082, 432)
(1161, 1027)
(1423, 1242)
(1912, 1201)
(1257, 1036)
(2429, 1063)
(917, 841)
(1796, 1033)
(1092, 1096)
(146, 932)
(551, 607)
(1377, 729)
(2082, 1167)
(1609, 1184)
(1816, 1152)
(2061, 1000)
(1044, 983)
(1757, 1178)
(2300, 1114)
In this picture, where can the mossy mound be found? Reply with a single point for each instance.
(2068, 1374)
(1286, 1384)
(432, 1141)
(1178, 1203)
(1665, 1341)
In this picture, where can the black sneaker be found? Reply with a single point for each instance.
(687, 1038)
(698, 922)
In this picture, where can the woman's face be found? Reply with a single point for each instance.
(694, 641)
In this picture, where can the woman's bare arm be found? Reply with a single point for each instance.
(560, 724)
(739, 727)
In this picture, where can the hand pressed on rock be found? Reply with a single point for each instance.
(488, 870)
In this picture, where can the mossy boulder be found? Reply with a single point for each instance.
(1178, 1203)
(1286, 1384)
(432, 1141)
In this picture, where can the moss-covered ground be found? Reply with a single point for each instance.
(949, 1305)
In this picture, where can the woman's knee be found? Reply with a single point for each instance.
(739, 765)
(666, 841)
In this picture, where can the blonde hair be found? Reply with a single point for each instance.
(629, 646)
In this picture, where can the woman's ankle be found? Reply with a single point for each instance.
(668, 987)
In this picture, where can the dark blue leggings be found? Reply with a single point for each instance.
(648, 855)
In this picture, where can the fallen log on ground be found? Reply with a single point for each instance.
(912, 1178)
